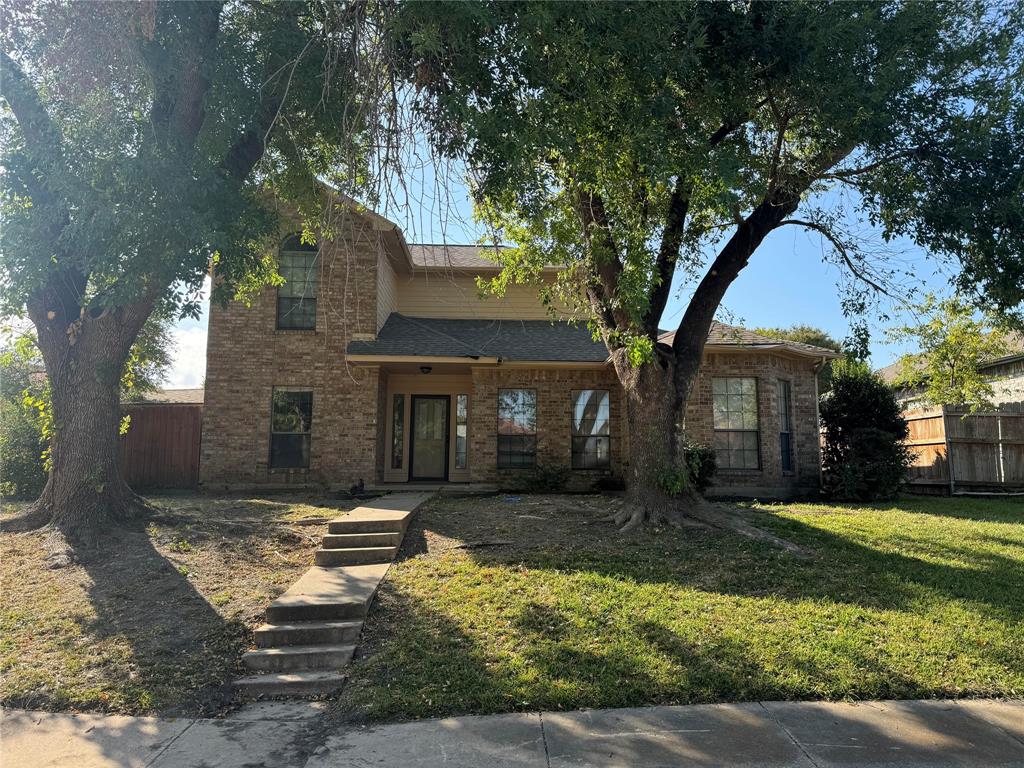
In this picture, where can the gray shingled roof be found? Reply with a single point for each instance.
(442, 256)
(721, 333)
(534, 340)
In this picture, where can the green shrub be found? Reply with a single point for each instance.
(694, 473)
(701, 462)
(22, 472)
(865, 457)
(545, 478)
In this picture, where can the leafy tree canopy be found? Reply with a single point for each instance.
(659, 130)
(803, 334)
(143, 145)
(954, 339)
(139, 137)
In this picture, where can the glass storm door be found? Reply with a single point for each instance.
(429, 445)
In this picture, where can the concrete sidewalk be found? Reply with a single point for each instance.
(909, 734)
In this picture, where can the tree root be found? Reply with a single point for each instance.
(696, 512)
(32, 519)
(726, 518)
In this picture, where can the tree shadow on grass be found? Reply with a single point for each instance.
(183, 652)
(841, 569)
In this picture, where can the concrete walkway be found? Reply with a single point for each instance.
(908, 734)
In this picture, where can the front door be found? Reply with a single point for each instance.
(428, 459)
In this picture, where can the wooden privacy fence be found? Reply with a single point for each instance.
(957, 452)
(161, 448)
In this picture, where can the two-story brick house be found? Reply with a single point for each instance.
(379, 360)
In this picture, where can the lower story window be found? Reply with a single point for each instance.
(397, 430)
(461, 431)
(591, 447)
(291, 423)
(517, 428)
(735, 421)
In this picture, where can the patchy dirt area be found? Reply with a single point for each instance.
(155, 618)
(509, 523)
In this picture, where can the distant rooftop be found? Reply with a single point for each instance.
(174, 396)
(1014, 351)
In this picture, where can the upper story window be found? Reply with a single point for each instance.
(591, 447)
(735, 421)
(517, 428)
(299, 265)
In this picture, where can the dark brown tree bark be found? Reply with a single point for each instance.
(84, 353)
(653, 426)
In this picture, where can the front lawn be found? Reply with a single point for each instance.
(526, 603)
(155, 619)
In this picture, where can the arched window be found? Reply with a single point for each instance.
(299, 265)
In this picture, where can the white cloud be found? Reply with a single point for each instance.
(189, 367)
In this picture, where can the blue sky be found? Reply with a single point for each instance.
(786, 282)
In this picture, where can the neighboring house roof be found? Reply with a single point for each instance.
(533, 340)
(172, 396)
(1015, 351)
(529, 340)
(722, 335)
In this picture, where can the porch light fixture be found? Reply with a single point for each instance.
(425, 369)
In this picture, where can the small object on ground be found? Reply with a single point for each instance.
(358, 489)
(512, 499)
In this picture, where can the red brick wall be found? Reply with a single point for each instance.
(768, 369)
(247, 357)
(554, 388)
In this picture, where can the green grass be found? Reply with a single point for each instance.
(918, 598)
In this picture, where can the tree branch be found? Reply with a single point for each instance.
(44, 141)
(841, 250)
(845, 174)
(688, 347)
(605, 256)
(672, 235)
(178, 103)
(668, 252)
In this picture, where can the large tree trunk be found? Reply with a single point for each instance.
(654, 420)
(84, 354)
(85, 490)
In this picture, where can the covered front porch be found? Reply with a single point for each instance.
(425, 428)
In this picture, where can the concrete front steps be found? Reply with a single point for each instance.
(312, 629)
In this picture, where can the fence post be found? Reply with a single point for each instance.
(999, 433)
(949, 453)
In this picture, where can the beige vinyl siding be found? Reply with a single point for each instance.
(387, 289)
(457, 297)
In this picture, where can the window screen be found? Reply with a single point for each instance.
(290, 427)
(735, 423)
(517, 428)
(299, 265)
(591, 447)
